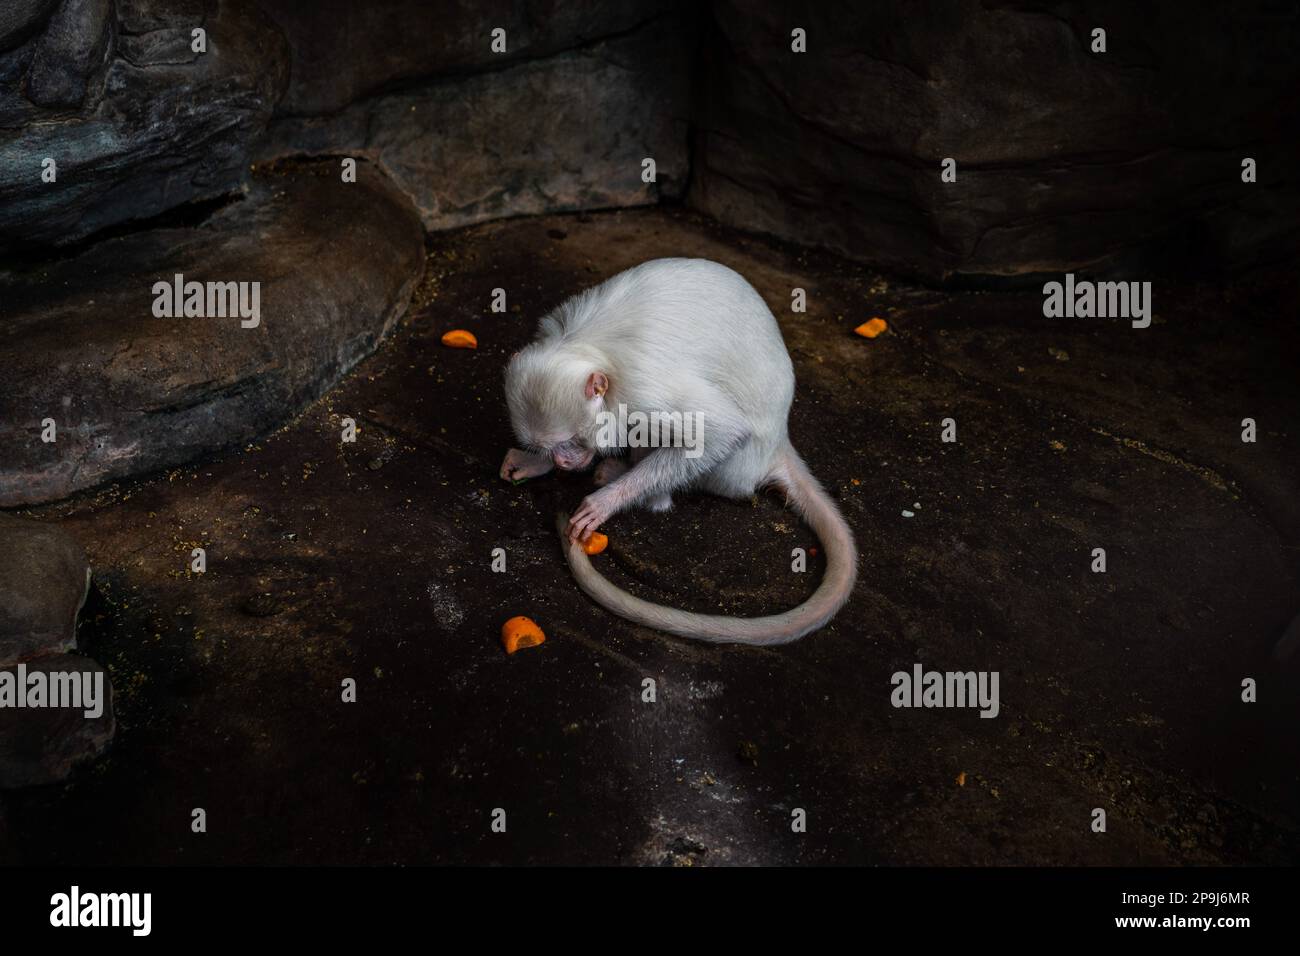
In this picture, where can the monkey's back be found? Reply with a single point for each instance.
(681, 331)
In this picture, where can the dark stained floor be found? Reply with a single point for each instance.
(371, 560)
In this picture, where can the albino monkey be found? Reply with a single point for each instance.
(692, 337)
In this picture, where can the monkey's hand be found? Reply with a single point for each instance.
(595, 510)
(519, 465)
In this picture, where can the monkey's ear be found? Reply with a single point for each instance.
(597, 384)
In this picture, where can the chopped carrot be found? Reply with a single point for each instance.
(871, 328)
(460, 339)
(520, 632)
(961, 779)
(596, 543)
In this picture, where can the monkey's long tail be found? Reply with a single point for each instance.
(814, 506)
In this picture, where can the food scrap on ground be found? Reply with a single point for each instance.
(596, 543)
(460, 339)
(520, 632)
(871, 328)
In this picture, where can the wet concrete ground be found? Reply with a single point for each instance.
(371, 560)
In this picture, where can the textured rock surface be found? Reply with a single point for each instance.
(44, 576)
(1066, 158)
(564, 132)
(47, 744)
(1122, 161)
(74, 46)
(129, 392)
(19, 19)
(343, 50)
(158, 124)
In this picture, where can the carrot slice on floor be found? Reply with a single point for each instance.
(596, 543)
(871, 328)
(520, 632)
(460, 339)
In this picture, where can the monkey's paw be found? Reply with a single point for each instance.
(519, 465)
(591, 514)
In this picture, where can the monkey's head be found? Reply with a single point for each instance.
(554, 399)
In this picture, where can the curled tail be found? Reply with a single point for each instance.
(814, 506)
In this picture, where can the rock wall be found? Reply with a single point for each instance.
(561, 120)
(1066, 158)
(44, 581)
(133, 119)
(123, 390)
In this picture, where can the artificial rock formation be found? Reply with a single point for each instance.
(134, 120)
(130, 391)
(19, 19)
(343, 51)
(1066, 158)
(563, 119)
(44, 579)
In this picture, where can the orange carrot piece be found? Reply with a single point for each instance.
(460, 339)
(520, 632)
(871, 328)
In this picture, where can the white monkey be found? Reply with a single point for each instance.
(685, 336)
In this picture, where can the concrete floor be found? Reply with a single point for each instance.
(372, 560)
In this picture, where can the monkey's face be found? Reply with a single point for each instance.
(549, 409)
(572, 455)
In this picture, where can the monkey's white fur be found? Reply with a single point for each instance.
(673, 335)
